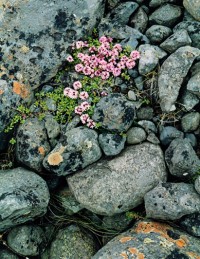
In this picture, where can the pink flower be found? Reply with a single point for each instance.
(118, 47)
(83, 95)
(92, 49)
(87, 70)
(79, 67)
(77, 85)
(135, 54)
(130, 63)
(79, 44)
(121, 65)
(124, 59)
(110, 67)
(103, 39)
(70, 58)
(90, 123)
(80, 55)
(73, 94)
(97, 73)
(85, 106)
(105, 75)
(78, 110)
(67, 90)
(84, 118)
(104, 93)
(116, 71)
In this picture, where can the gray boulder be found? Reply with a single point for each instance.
(114, 112)
(190, 121)
(166, 15)
(32, 144)
(171, 201)
(158, 33)
(109, 187)
(193, 84)
(149, 59)
(136, 135)
(71, 242)
(26, 240)
(77, 149)
(181, 158)
(151, 240)
(178, 39)
(111, 144)
(156, 3)
(191, 224)
(172, 73)
(6, 254)
(189, 100)
(139, 20)
(24, 196)
(168, 134)
(193, 7)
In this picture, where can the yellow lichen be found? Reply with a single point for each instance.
(55, 158)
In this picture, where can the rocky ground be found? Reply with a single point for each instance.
(127, 189)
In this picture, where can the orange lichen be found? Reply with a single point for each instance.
(20, 89)
(135, 251)
(1, 91)
(180, 243)
(16, 87)
(124, 255)
(41, 150)
(125, 239)
(55, 158)
(193, 255)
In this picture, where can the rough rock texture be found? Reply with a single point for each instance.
(191, 224)
(197, 184)
(193, 84)
(136, 135)
(26, 240)
(156, 3)
(172, 73)
(78, 148)
(32, 144)
(168, 134)
(150, 239)
(190, 121)
(181, 158)
(24, 196)
(139, 20)
(114, 112)
(193, 7)
(171, 201)
(72, 242)
(158, 33)
(110, 187)
(6, 254)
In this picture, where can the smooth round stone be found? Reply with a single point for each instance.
(158, 33)
(190, 122)
(192, 138)
(131, 96)
(136, 135)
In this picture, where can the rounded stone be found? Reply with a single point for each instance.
(158, 33)
(6, 254)
(168, 134)
(190, 122)
(136, 135)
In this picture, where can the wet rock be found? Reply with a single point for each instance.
(172, 73)
(191, 224)
(110, 187)
(24, 196)
(136, 135)
(181, 158)
(171, 201)
(139, 20)
(193, 7)
(167, 15)
(77, 149)
(26, 240)
(158, 33)
(114, 112)
(178, 39)
(6, 254)
(192, 28)
(71, 242)
(149, 59)
(111, 144)
(32, 144)
(150, 239)
(193, 84)
(168, 134)
(190, 121)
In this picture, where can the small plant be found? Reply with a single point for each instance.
(99, 61)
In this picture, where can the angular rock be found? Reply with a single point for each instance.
(193, 7)
(193, 84)
(172, 73)
(148, 126)
(168, 134)
(191, 224)
(181, 158)
(192, 28)
(178, 39)
(189, 100)
(150, 239)
(32, 144)
(114, 112)
(166, 15)
(117, 222)
(77, 149)
(192, 138)
(136, 135)
(71, 242)
(158, 33)
(24, 196)
(149, 59)
(145, 113)
(190, 121)
(110, 187)
(26, 240)
(139, 20)
(171, 201)
(111, 144)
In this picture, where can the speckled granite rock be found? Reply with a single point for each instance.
(109, 187)
(6, 254)
(169, 133)
(156, 3)
(171, 201)
(77, 149)
(24, 196)
(193, 84)
(190, 121)
(26, 240)
(150, 239)
(172, 73)
(158, 33)
(32, 144)
(191, 224)
(193, 7)
(114, 112)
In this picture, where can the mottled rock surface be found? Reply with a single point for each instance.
(193, 7)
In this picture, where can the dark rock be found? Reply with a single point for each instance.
(158, 33)
(168, 134)
(191, 224)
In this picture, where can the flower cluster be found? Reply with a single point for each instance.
(101, 60)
